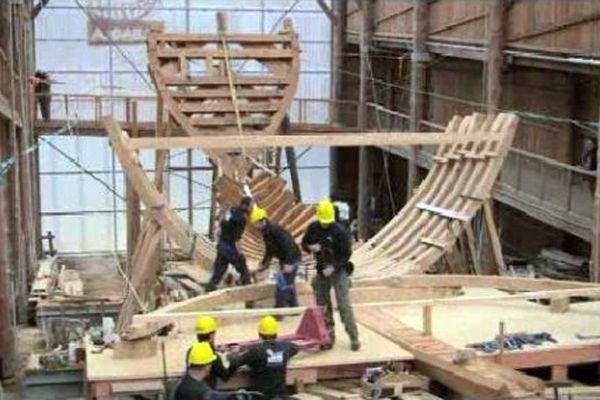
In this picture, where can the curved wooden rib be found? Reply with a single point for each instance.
(460, 181)
(271, 194)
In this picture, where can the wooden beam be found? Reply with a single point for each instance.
(496, 39)
(513, 284)
(216, 38)
(330, 14)
(493, 236)
(480, 379)
(595, 261)
(266, 290)
(364, 164)
(7, 332)
(418, 83)
(133, 202)
(350, 139)
(337, 84)
(290, 155)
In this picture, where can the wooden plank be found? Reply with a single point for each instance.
(258, 54)
(222, 80)
(478, 378)
(250, 38)
(191, 107)
(443, 212)
(331, 394)
(167, 314)
(349, 139)
(497, 282)
(225, 93)
(229, 121)
(453, 376)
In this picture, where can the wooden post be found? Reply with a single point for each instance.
(494, 238)
(290, 155)
(190, 188)
(496, 38)
(427, 327)
(501, 340)
(364, 164)
(560, 373)
(337, 65)
(418, 83)
(133, 200)
(595, 261)
(213, 204)
(7, 334)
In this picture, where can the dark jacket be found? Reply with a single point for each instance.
(233, 225)
(335, 241)
(268, 363)
(218, 370)
(280, 244)
(191, 389)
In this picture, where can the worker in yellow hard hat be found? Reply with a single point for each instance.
(200, 359)
(206, 330)
(330, 243)
(267, 360)
(279, 244)
(232, 228)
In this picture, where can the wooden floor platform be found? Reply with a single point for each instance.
(103, 370)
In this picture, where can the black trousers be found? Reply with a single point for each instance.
(227, 253)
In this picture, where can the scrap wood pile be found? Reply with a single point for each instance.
(556, 264)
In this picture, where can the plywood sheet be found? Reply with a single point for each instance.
(103, 367)
(460, 325)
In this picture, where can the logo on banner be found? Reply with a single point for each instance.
(120, 21)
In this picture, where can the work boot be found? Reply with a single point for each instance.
(329, 345)
(354, 344)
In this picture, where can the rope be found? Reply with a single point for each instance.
(234, 99)
(385, 153)
(232, 88)
(130, 286)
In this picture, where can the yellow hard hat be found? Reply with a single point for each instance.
(206, 325)
(268, 326)
(325, 212)
(201, 354)
(258, 214)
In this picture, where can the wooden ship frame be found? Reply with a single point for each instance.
(233, 118)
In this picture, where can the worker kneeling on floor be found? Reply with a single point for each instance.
(206, 330)
(330, 243)
(279, 244)
(267, 361)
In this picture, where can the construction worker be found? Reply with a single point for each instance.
(193, 385)
(330, 243)
(206, 330)
(280, 244)
(232, 228)
(267, 361)
(41, 88)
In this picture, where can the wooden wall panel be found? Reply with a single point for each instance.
(354, 16)
(394, 17)
(449, 19)
(565, 26)
(548, 93)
